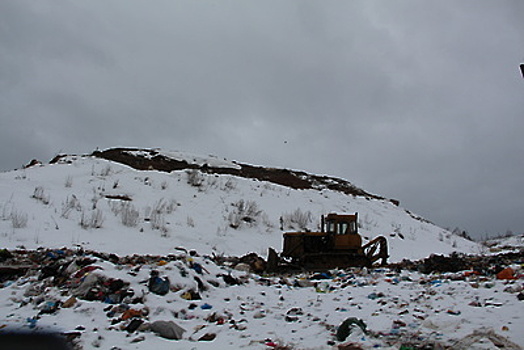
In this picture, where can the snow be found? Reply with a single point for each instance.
(44, 206)
(196, 215)
(190, 158)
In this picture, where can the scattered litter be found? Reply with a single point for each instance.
(506, 274)
(146, 295)
(454, 313)
(345, 329)
(133, 325)
(157, 284)
(208, 337)
(168, 329)
(69, 302)
(485, 339)
(206, 306)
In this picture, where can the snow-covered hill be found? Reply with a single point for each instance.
(129, 201)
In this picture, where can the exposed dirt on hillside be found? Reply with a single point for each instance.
(285, 177)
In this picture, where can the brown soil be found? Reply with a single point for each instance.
(285, 177)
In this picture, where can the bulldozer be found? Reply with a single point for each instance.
(338, 245)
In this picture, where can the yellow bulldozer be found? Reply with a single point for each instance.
(338, 245)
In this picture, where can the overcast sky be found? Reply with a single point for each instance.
(421, 101)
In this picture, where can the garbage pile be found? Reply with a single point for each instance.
(53, 280)
(484, 264)
(101, 300)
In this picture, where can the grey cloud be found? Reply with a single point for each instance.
(417, 101)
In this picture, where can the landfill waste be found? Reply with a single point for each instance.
(133, 325)
(485, 339)
(69, 302)
(506, 274)
(207, 337)
(480, 264)
(157, 284)
(168, 329)
(344, 330)
(102, 300)
(5, 254)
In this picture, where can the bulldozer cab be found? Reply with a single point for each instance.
(343, 230)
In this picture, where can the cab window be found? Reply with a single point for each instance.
(331, 227)
(353, 227)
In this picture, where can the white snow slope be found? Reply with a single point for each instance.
(90, 203)
(106, 206)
